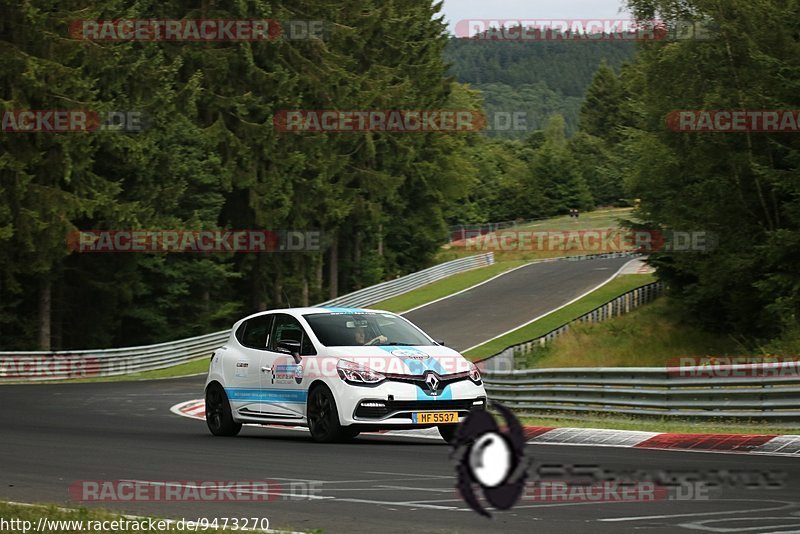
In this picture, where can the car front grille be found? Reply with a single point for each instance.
(401, 409)
(430, 382)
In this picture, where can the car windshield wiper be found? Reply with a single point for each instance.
(398, 344)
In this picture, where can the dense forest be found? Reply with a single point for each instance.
(211, 158)
(743, 186)
(537, 78)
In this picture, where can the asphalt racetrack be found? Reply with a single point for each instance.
(480, 314)
(56, 435)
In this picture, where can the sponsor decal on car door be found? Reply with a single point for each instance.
(244, 374)
(283, 387)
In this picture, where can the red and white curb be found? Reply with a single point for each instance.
(763, 444)
(194, 409)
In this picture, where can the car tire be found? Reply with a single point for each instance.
(218, 412)
(323, 416)
(448, 432)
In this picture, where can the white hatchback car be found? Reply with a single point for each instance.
(338, 371)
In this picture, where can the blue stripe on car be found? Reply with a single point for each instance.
(296, 396)
(446, 394)
(343, 310)
(416, 366)
(420, 367)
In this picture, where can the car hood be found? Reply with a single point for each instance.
(404, 360)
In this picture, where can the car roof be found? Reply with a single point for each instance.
(317, 309)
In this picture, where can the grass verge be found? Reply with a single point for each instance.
(647, 337)
(596, 220)
(660, 425)
(445, 287)
(613, 289)
(605, 218)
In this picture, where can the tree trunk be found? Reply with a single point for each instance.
(319, 276)
(58, 317)
(333, 269)
(277, 292)
(45, 309)
(257, 300)
(357, 271)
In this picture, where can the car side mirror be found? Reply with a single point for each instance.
(441, 343)
(290, 347)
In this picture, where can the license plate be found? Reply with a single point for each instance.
(437, 418)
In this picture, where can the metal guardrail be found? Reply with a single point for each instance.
(56, 365)
(37, 365)
(505, 360)
(760, 391)
(393, 288)
(386, 290)
(53, 365)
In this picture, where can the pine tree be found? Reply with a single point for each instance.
(600, 113)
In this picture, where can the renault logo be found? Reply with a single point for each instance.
(433, 382)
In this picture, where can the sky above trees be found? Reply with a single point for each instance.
(456, 10)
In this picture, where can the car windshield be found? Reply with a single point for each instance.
(359, 329)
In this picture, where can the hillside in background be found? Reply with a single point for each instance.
(536, 78)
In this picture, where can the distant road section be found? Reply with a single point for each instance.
(477, 315)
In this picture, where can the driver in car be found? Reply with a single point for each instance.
(360, 335)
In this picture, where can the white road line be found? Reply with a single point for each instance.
(367, 489)
(562, 504)
(415, 479)
(236, 490)
(573, 301)
(492, 279)
(432, 501)
(407, 474)
(702, 514)
(701, 525)
(410, 488)
(404, 504)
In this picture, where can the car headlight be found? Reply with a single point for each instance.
(352, 373)
(474, 374)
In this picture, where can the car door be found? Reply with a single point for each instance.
(284, 383)
(244, 378)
